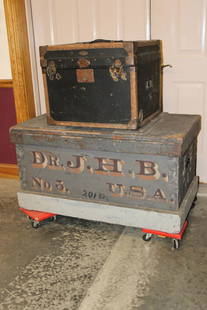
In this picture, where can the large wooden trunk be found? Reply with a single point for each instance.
(141, 178)
(116, 84)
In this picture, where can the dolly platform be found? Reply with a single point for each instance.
(175, 237)
(38, 216)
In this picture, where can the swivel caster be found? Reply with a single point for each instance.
(176, 244)
(54, 218)
(35, 224)
(147, 237)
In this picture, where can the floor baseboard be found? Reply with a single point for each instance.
(202, 190)
(10, 171)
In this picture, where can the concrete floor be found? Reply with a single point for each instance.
(77, 264)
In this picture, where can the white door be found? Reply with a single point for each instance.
(181, 24)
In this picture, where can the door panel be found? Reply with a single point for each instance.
(191, 15)
(67, 21)
(181, 24)
(5, 68)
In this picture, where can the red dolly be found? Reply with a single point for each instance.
(175, 237)
(37, 216)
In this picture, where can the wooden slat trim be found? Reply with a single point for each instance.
(134, 95)
(9, 171)
(90, 125)
(15, 15)
(6, 83)
(113, 44)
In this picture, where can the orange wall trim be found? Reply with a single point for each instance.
(9, 171)
(6, 83)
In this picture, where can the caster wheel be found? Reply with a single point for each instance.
(35, 224)
(147, 237)
(176, 243)
(193, 205)
(51, 219)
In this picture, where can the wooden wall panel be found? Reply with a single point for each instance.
(7, 119)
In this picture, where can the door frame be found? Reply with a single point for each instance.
(16, 22)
